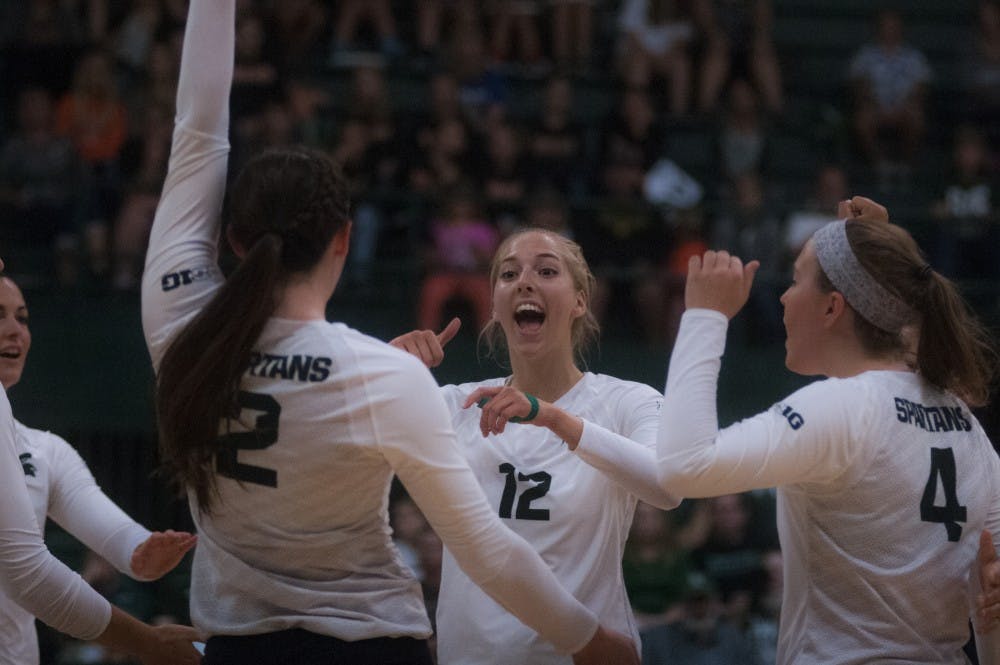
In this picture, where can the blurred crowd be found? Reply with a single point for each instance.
(647, 130)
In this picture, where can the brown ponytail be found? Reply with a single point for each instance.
(954, 351)
(286, 206)
(200, 372)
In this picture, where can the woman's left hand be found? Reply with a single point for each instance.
(160, 553)
(500, 404)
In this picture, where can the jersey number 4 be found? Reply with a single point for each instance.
(951, 513)
(524, 511)
(263, 435)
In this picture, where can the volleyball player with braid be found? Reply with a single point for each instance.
(286, 430)
(887, 484)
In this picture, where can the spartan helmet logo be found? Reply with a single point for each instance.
(29, 468)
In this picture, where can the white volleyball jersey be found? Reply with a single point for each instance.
(61, 486)
(29, 575)
(885, 484)
(575, 515)
(299, 537)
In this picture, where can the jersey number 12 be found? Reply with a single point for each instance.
(952, 512)
(524, 510)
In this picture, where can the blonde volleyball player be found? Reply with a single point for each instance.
(286, 430)
(885, 479)
(40, 584)
(61, 486)
(567, 476)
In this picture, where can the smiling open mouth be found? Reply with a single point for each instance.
(13, 355)
(529, 318)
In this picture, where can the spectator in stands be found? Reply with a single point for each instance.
(733, 555)
(626, 239)
(654, 41)
(41, 177)
(441, 158)
(829, 189)
(94, 118)
(431, 17)
(655, 566)
(482, 89)
(504, 176)
(133, 40)
(516, 20)
(144, 166)
(747, 225)
(572, 33)
(737, 42)
(743, 133)
(546, 209)
(462, 244)
(355, 152)
(299, 26)
(351, 15)
(702, 636)
(981, 67)
(966, 212)
(556, 139)
(256, 78)
(890, 80)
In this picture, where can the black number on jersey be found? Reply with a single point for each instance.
(951, 513)
(524, 510)
(263, 435)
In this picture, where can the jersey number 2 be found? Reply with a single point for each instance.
(263, 435)
(951, 513)
(524, 509)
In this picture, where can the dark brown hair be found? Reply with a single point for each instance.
(954, 351)
(285, 208)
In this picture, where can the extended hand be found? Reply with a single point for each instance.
(719, 281)
(427, 344)
(173, 645)
(160, 553)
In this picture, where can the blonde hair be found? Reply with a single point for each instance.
(586, 330)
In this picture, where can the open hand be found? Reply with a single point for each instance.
(427, 344)
(160, 553)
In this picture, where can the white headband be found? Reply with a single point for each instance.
(861, 291)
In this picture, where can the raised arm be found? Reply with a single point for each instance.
(182, 271)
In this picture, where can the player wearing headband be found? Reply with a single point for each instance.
(568, 452)
(885, 479)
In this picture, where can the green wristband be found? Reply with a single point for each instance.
(531, 414)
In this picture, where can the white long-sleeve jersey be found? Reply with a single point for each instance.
(574, 507)
(299, 536)
(61, 487)
(29, 575)
(884, 485)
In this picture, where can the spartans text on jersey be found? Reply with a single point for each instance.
(932, 418)
(295, 367)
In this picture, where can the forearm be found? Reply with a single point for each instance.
(207, 67)
(629, 463)
(102, 526)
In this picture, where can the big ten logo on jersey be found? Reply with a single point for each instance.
(297, 367)
(794, 418)
(173, 280)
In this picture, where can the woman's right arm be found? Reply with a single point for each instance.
(182, 272)
(44, 586)
(418, 441)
